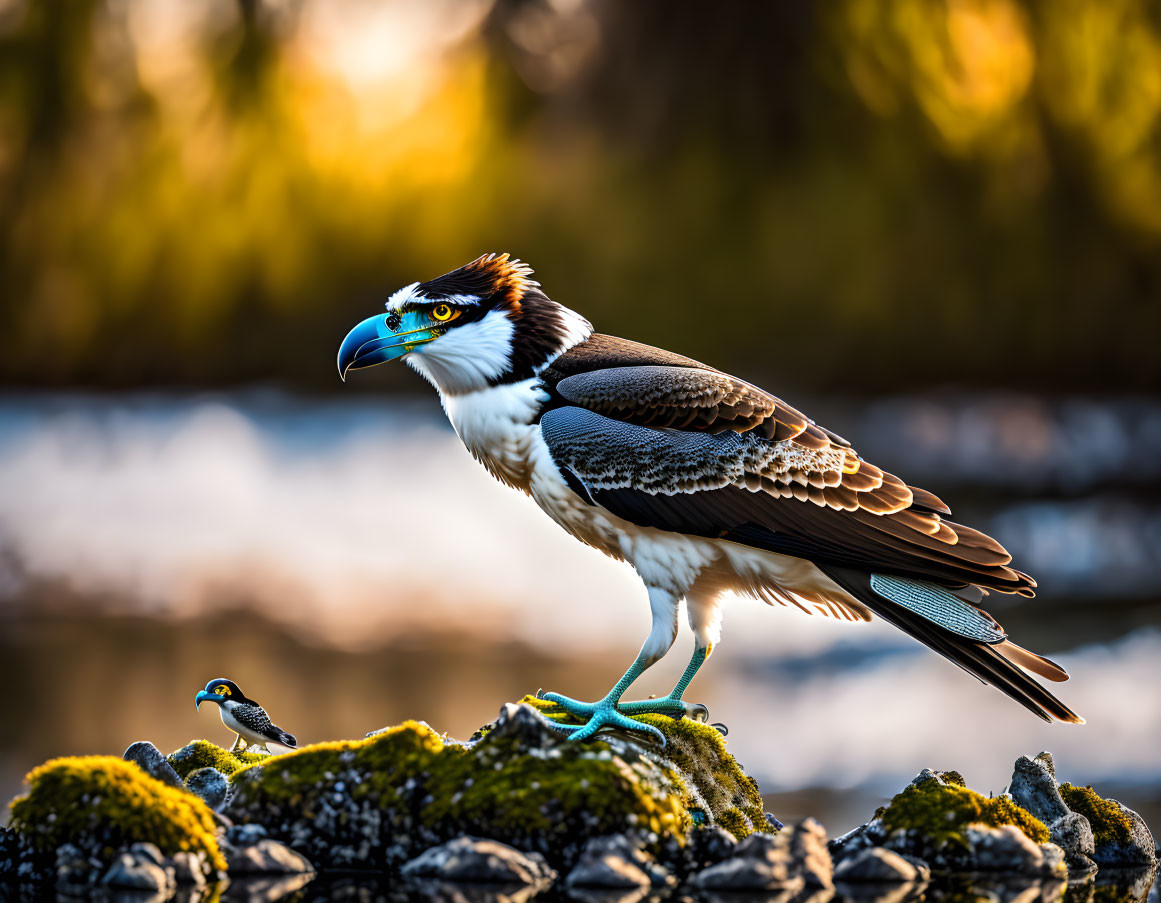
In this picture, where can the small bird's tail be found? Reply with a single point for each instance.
(998, 662)
(278, 735)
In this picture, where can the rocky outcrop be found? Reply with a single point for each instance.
(938, 821)
(381, 801)
(1091, 830)
(100, 805)
(794, 858)
(1034, 787)
(518, 807)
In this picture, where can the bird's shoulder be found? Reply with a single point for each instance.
(647, 386)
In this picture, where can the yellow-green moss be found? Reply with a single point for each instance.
(102, 803)
(1109, 823)
(497, 787)
(942, 813)
(204, 754)
(699, 753)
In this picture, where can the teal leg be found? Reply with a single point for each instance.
(673, 705)
(604, 713)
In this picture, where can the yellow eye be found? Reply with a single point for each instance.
(222, 690)
(443, 312)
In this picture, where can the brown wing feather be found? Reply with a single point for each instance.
(791, 457)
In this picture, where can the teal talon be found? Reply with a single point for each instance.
(598, 716)
(611, 713)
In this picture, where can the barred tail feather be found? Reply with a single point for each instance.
(1000, 664)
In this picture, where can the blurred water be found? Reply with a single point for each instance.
(350, 565)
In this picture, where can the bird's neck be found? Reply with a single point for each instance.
(498, 425)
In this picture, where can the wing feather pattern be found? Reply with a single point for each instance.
(666, 442)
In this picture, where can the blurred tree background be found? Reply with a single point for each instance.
(850, 196)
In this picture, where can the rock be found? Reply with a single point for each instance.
(876, 864)
(1034, 788)
(617, 862)
(140, 868)
(245, 835)
(809, 852)
(100, 803)
(760, 862)
(1120, 835)
(1008, 849)
(1073, 834)
(266, 857)
(476, 860)
(149, 759)
(189, 869)
(210, 786)
(387, 798)
(708, 846)
(794, 858)
(75, 872)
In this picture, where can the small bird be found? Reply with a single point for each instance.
(243, 716)
(701, 481)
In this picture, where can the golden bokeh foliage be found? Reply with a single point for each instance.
(919, 190)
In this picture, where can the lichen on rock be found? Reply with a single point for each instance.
(716, 789)
(101, 804)
(204, 754)
(1120, 835)
(380, 801)
(942, 811)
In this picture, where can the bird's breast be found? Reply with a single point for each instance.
(499, 427)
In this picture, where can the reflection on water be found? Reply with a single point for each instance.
(1121, 887)
(350, 565)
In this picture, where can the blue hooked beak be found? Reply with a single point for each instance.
(203, 696)
(373, 342)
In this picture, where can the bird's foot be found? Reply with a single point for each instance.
(596, 716)
(239, 746)
(673, 706)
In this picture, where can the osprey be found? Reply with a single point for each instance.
(701, 481)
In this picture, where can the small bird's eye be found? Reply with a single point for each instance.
(442, 312)
(222, 690)
(393, 321)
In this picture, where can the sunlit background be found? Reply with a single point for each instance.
(934, 225)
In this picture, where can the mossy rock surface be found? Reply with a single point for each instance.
(380, 801)
(941, 809)
(204, 754)
(102, 804)
(716, 789)
(1109, 823)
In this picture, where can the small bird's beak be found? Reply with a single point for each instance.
(372, 342)
(203, 696)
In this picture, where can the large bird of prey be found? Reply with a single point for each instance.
(702, 482)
